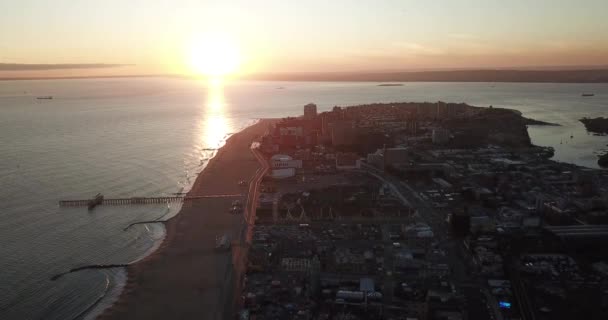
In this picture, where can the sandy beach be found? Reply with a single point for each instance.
(186, 277)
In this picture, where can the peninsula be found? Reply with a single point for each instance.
(597, 125)
(602, 160)
(378, 211)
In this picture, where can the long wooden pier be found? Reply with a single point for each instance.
(141, 200)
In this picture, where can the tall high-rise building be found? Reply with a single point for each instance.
(310, 111)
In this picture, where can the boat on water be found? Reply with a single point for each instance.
(588, 94)
(45, 98)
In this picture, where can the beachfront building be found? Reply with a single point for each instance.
(284, 166)
(280, 161)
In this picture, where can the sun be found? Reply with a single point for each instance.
(214, 56)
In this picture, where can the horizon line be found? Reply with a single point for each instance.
(599, 74)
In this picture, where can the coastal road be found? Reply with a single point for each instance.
(240, 249)
(254, 185)
(186, 278)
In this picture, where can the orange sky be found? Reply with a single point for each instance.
(282, 36)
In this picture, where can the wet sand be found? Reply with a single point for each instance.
(186, 277)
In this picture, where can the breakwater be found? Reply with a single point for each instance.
(93, 266)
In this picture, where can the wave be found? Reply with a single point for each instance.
(115, 284)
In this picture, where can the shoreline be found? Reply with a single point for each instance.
(119, 279)
(137, 288)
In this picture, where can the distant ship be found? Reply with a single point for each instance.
(587, 94)
(45, 98)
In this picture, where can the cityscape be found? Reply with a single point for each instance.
(422, 228)
(304, 160)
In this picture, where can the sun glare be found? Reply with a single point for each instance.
(214, 57)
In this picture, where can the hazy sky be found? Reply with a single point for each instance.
(312, 35)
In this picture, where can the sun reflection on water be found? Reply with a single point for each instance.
(214, 123)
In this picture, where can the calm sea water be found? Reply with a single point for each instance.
(151, 136)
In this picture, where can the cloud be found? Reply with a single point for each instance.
(397, 49)
(30, 67)
(417, 49)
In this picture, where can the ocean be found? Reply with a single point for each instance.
(129, 137)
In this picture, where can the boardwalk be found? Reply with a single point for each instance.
(142, 200)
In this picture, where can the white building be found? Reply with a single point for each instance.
(284, 166)
(282, 161)
(283, 173)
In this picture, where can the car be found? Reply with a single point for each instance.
(222, 242)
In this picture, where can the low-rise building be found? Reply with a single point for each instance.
(282, 161)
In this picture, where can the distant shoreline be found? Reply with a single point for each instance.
(518, 76)
(498, 76)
